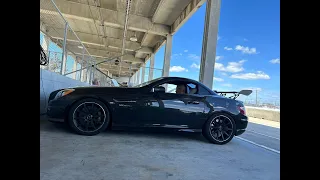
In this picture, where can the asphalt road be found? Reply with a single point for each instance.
(148, 155)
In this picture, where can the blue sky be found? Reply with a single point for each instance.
(248, 48)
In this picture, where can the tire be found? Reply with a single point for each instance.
(216, 135)
(88, 117)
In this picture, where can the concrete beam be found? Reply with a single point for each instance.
(93, 39)
(111, 18)
(191, 8)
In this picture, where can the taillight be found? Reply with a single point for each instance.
(242, 110)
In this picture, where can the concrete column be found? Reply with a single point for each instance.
(209, 43)
(150, 77)
(64, 62)
(138, 76)
(80, 75)
(64, 51)
(167, 56)
(143, 73)
(45, 47)
(83, 75)
(74, 75)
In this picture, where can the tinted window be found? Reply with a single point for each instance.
(203, 91)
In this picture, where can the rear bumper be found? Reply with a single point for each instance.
(241, 124)
(239, 132)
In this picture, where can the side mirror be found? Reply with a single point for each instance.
(159, 89)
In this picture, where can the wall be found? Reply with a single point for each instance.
(50, 81)
(263, 113)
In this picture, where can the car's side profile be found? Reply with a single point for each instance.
(90, 110)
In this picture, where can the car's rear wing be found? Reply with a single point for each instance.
(234, 94)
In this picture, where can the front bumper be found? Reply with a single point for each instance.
(56, 111)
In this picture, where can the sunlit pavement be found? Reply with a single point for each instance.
(136, 155)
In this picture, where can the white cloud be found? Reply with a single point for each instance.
(275, 61)
(251, 76)
(178, 69)
(224, 74)
(219, 57)
(194, 57)
(194, 65)
(227, 48)
(185, 50)
(218, 79)
(227, 85)
(246, 50)
(233, 67)
(253, 88)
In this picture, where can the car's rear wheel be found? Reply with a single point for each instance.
(219, 129)
(88, 117)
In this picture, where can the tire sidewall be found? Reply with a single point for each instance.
(206, 129)
(73, 108)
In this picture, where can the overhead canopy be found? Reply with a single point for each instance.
(99, 24)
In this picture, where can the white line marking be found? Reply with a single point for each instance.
(259, 145)
(263, 135)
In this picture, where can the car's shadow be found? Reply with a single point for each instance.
(46, 126)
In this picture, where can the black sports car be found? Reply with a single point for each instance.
(167, 102)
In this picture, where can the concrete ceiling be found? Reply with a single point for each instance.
(99, 24)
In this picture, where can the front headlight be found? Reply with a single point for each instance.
(64, 92)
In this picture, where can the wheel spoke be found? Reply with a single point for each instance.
(226, 133)
(92, 124)
(222, 135)
(228, 129)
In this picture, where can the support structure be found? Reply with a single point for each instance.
(143, 72)
(74, 75)
(138, 76)
(167, 56)
(45, 47)
(64, 51)
(208, 56)
(150, 77)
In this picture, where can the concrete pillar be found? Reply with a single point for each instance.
(209, 43)
(150, 77)
(138, 76)
(143, 73)
(64, 62)
(74, 75)
(45, 47)
(167, 56)
(64, 51)
(45, 43)
(83, 75)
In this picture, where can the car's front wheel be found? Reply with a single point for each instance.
(88, 117)
(219, 129)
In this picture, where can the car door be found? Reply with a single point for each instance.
(170, 110)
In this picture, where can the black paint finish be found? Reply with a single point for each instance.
(141, 107)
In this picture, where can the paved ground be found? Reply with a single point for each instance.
(145, 156)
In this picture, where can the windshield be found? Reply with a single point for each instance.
(147, 83)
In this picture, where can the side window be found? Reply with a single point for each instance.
(170, 88)
(192, 88)
(203, 91)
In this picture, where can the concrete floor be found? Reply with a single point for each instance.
(122, 155)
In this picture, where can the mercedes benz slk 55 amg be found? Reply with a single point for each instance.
(167, 102)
